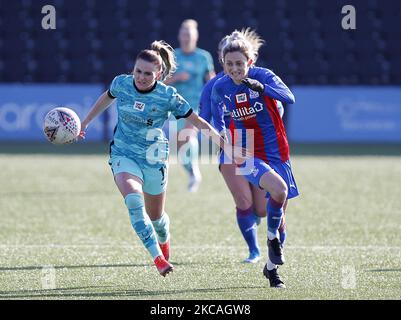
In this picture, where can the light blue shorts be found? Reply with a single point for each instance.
(154, 178)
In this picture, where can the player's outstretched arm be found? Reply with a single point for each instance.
(101, 104)
(272, 86)
(238, 154)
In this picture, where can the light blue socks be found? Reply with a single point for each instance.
(162, 228)
(141, 223)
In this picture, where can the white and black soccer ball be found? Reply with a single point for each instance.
(61, 126)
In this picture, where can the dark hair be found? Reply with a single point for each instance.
(161, 54)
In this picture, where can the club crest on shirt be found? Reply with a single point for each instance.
(255, 171)
(240, 98)
(140, 106)
(253, 94)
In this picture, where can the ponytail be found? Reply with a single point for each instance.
(166, 52)
(162, 54)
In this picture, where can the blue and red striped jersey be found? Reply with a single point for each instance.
(251, 110)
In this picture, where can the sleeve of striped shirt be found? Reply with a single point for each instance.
(205, 105)
(217, 111)
(275, 88)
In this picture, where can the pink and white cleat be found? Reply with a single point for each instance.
(163, 266)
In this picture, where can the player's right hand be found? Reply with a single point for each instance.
(254, 85)
(82, 133)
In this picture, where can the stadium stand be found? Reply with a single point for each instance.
(95, 40)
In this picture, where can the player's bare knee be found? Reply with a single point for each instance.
(243, 202)
(283, 194)
(285, 191)
(280, 193)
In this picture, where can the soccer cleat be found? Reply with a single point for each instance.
(163, 266)
(194, 181)
(254, 257)
(274, 278)
(275, 251)
(165, 248)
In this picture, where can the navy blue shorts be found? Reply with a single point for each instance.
(254, 169)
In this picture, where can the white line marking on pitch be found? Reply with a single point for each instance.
(76, 246)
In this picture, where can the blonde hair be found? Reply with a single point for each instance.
(246, 41)
(162, 54)
(223, 42)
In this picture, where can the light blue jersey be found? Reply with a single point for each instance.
(138, 134)
(197, 64)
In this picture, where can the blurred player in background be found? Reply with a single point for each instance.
(250, 200)
(250, 93)
(195, 67)
(139, 149)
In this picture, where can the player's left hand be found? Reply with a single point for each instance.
(253, 84)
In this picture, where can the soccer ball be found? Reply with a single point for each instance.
(61, 126)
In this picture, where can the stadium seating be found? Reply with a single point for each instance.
(305, 43)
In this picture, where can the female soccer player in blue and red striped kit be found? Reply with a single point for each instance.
(250, 201)
(250, 94)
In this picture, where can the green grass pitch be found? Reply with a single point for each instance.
(65, 234)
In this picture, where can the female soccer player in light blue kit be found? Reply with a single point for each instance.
(139, 149)
(250, 94)
(250, 200)
(195, 67)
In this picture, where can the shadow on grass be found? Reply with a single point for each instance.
(61, 293)
(385, 270)
(28, 268)
(200, 263)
